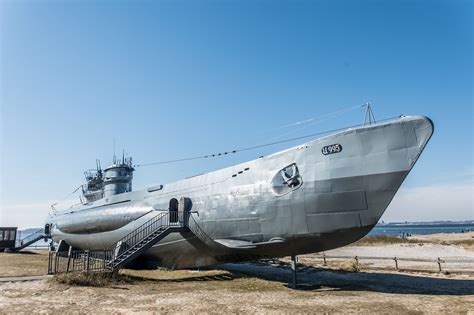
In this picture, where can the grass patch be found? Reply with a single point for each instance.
(349, 265)
(175, 275)
(390, 239)
(385, 239)
(92, 279)
(468, 242)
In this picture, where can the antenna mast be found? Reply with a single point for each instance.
(369, 117)
(114, 158)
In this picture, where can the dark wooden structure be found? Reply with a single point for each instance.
(7, 237)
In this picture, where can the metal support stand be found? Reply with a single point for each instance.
(88, 260)
(69, 254)
(293, 272)
(50, 262)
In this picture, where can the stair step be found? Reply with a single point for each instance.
(144, 242)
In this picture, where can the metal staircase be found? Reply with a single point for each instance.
(125, 250)
(145, 236)
(27, 241)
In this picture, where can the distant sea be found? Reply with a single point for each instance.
(420, 229)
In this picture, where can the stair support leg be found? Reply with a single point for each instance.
(293, 272)
(50, 262)
(69, 254)
(87, 260)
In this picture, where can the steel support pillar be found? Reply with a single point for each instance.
(293, 272)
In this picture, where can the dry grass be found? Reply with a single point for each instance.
(13, 264)
(464, 243)
(465, 240)
(210, 280)
(92, 279)
(263, 290)
(165, 275)
(349, 265)
(384, 239)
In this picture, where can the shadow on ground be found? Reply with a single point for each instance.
(314, 278)
(324, 279)
(226, 277)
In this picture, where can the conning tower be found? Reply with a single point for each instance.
(118, 177)
(94, 188)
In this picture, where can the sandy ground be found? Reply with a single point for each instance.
(455, 258)
(465, 240)
(247, 288)
(407, 251)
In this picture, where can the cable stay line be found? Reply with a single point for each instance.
(57, 202)
(329, 115)
(368, 119)
(316, 120)
(253, 147)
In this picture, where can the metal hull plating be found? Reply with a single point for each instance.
(242, 212)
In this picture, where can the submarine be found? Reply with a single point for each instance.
(312, 197)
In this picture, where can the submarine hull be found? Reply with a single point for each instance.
(316, 196)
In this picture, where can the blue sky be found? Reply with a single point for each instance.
(172, 79)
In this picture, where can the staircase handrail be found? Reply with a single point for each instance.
(32, 236)
(196, 229)
(141, 228)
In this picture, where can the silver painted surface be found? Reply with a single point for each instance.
(294, 201)
(118, 178)
(101, 219)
